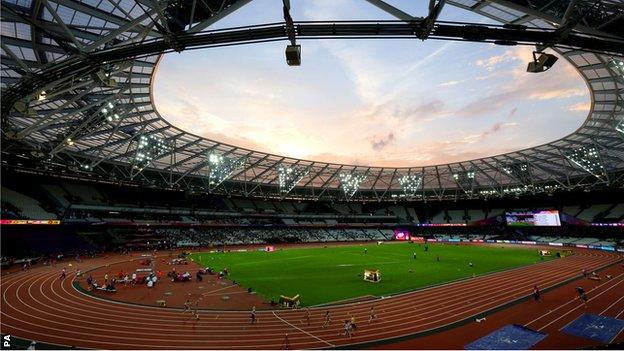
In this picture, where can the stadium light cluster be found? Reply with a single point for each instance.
(96, 117)
(109, 113)
(588, 159)
(465, 180)
(488, 192)
(619, 125)
(350, 183)
(516, 190)
(221, 168)
(410, 184)
(289, 176)
(617, 66)
(149, 148)
(520, 171)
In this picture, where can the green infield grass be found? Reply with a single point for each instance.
(334, 273)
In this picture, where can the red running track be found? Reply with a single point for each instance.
(37, 305)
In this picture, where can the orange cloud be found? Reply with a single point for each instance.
(581, 106)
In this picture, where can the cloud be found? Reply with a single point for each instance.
(581, 106)
(494, 129)
(359, 106)
(557, 94)
(481, 106)
(400, 111)
(380, 144)
(490, 63)
(523, 85)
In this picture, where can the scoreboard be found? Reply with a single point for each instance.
(545, 218)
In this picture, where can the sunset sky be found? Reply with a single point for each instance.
(369, 102)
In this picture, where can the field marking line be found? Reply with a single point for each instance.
(279, 259)
(579, 306)
(611, 305)
(565, 304)
(303, 331)
(216, 290)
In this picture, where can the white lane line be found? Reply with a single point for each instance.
(611, 305)
(303, 331)
(577, 307)
(565, 304)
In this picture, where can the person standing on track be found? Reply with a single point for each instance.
(327, 319)
(537, 294)
(63, 274)
(373, 315)
(352, 325)
(347, 329)
(582, 295)
(187, 305)
(286, 343)
(584, 272)
(253, 315)
(195, 307)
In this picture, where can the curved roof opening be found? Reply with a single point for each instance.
(389, 103)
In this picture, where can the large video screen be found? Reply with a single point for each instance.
(400, 234)
(548, 218)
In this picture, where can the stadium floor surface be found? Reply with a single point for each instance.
(37, 305)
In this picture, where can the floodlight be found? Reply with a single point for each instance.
(619, 126)
(293, 55)
(149, 148)
(222, 167)
(108, 112)
(541, 63)
(519, 170)
(410, 184)
(350, 183)
(588, 159)
(465, 180)
(617, 66)
(289, 176)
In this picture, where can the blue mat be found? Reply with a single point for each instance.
(509, 337)
(595, 327)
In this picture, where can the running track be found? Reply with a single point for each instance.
(37, 305)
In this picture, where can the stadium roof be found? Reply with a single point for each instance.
(77, 75)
